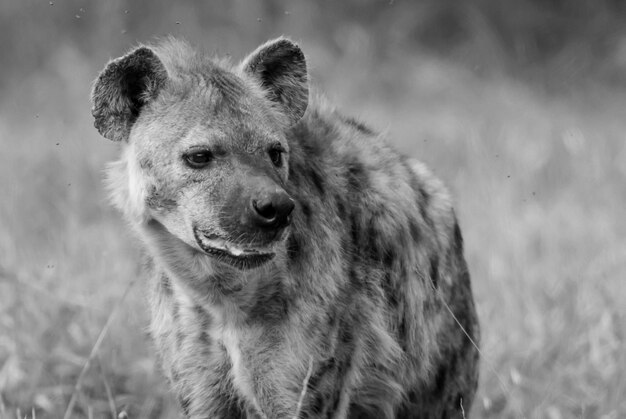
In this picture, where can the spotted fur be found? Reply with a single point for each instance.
(367, 285)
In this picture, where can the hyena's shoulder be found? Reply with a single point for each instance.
(338, 159)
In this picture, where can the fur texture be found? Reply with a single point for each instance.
(361, 284)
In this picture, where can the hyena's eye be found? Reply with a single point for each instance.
(276, 155)
(198, 159)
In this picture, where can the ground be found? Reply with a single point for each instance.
(539, 182)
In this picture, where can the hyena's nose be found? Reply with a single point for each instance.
(273, 211)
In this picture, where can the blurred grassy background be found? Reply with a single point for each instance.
(518, 105)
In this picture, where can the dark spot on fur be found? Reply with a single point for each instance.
(294, 247)
(271, 305)
(327, 366)
(458, 239)
(402, 334)
(330, 363)
(379, 251)
(434, 270)
(312, 133)
(226, 282)
(185, 403)
(173, 376)
(295, 179)
(317, 404)
(388, 260)
(423, 200)
(341, 208)
(145, 163)
(306, 161)
(423, 197)
(317, 179)
(157, 201)
(354, 232)
(312, 149)
(175, 312)
(357, 176)
(335, 398)
(346, 336)
(390, 291)
(431, 304)
(203, 317)
(180, 338)
(440, 379)
(358, 125)
(361, 412)
(319, 381)
(355, 281)
(204, 338)
(414, 230)
(372, 245)
(166, 286)
(306, 211)
(322, 370)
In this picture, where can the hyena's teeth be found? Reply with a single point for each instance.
(216, 244)
(235, 251)
(221, 244)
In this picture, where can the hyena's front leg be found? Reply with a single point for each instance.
(196, 365)
(270, 375)
(293, 378)
(208, 393)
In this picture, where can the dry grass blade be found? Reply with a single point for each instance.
(107, 388)
(503, 385)
(94, 351)
(305, 385)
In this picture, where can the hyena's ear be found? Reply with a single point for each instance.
(280, 67)
(125, 85)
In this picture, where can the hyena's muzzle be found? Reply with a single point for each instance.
(268, 209)
(254, 219)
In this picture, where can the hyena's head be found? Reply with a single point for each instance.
(204, 150)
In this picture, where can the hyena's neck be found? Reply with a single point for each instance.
(231, 301)
(259, 293)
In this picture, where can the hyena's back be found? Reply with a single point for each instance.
(403, 280)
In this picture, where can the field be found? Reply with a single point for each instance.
(538, 177)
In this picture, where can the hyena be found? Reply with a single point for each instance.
(299, 266)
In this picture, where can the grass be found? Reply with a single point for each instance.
(539, 183)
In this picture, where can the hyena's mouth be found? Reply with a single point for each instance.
(228, 252)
